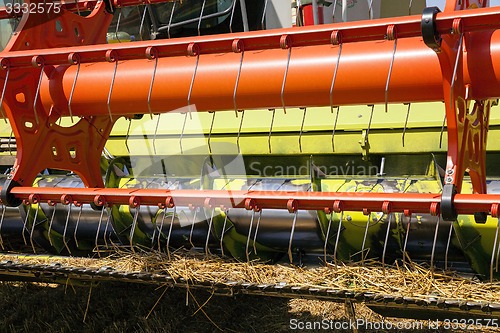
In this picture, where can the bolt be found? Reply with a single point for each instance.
(349, 218)
(449, 179)
(449, 171)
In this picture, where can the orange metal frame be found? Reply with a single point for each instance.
(46, 78)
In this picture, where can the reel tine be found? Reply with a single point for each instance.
(232, 16)
(290, 254)
(146, 7)
(118, 24)
(442, 131)
(285, 43)
(370, 9)
(302, 129)
(201, 16)
(51, 222)
(207, 251)
(223, 232)
(498, 254)
(391, 35)
(435, 241)
(338, 238)
(344, 10)
(3, 96)
(192, 227)
(409, 7)
(78, 222)
(239, 131)
(33, 230)
(66, 229)
(335, 127)
(263, 15)
(97, 232)
(494, 250)
(256, 230)
(151, 89)
(327, 236)
(70, 100)
(237, 47)
(108, 220)
(249, 235)
(271, 130)
(210, 133)
(406, 122)
(25, 223)
(37, 94)
(386, 240)
(364, 240)
(170, 231)
(161, 227)
(448, 247)
(1, 223)
(128, 134)
(156, 132)
(182, 132)
(192, 51)
(134, 225)
(406, 239)
(170, 19)
(108, 104)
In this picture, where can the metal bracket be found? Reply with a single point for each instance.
(447, 208)
(429, 30)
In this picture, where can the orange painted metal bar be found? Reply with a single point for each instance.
(410, 203)
(361, 78)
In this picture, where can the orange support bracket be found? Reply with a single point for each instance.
(467, 126)
(41, 142)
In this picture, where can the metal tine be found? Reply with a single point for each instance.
(498, 254)
(170, 19)
(128, 134)
(239, 131)
(256, 231)
(108, 220)
(182, 132)
(111, 89)
(369, 123)
(364, 239)
(201, 16)
(344, 10)
(97, 232)
(77, 223)
(370, 9)
(406, 239)
(134, 225)
(237, 47)
(290, 254)
(327, 236)
(263, 15)
(406, 122)
(170, 231)
(66, 228)
(285, 43)
(207, 251)
(223, 232)
(249, 235)
(442, 130)
(192, 227)
(192, 51)
(391, 35)
(338, 238)
(386, 240)
(210, 133)
(302, 129)
(161, 227)
(409, 7)
(146, 8)
(73, 90)
(334, 9)
(1, 223)
(33, 230)
(151, 88)
(42, 65)
(232, 16)
(271, 130)
(448, 247)
(118, 24)
(456, 29)
(3, 96)
(335, 127)
(435, 241)
(156, 132)
(494, 250)
(25, 223)
(50, 223)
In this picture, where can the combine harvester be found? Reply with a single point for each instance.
(162, 125)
